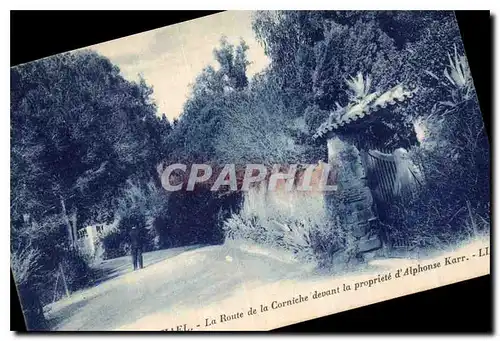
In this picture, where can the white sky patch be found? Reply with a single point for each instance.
(170, 58)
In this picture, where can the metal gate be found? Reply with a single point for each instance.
(381, 176)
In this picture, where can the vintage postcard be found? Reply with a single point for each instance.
(247, 171)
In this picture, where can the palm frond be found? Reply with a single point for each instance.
(359, 85)
(458, 71)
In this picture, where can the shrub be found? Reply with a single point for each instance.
(300, 227)
(76, 270)
(454, 160)
(453, 202)
(115, 243)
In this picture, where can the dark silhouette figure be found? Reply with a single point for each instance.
(136, 247)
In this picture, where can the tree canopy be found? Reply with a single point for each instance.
(79, 130)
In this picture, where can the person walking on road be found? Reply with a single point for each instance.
(136, 247)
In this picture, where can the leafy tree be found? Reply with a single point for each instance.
(424, 63)
(193, 217)
(199, 125)
(258, 128)
(313, 53)
(79, 131)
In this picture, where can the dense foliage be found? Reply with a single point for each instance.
(79, 132)
(87, 145)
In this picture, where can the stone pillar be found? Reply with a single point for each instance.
(91, 238)
(353, 200)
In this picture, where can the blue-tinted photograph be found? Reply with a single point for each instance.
(193, 165)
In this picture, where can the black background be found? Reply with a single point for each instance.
(465, 307)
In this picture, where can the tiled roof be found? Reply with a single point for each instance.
(364, 107)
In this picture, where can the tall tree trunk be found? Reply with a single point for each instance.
(69, 227)
(74, 229)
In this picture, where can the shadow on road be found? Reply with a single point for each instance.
(112, 268)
